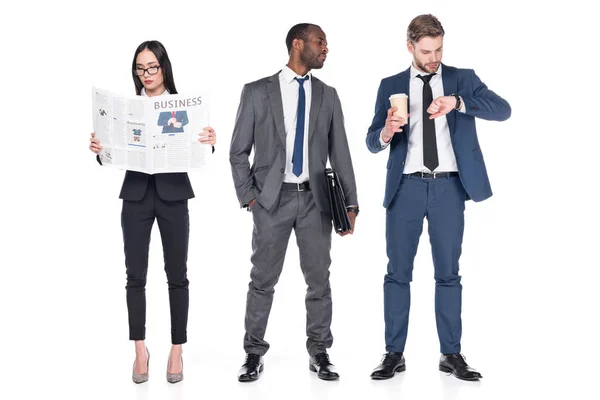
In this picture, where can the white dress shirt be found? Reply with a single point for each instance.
(414, 158)
(289, 96)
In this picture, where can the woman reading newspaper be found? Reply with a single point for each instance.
(162, 197)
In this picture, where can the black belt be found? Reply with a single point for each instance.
(434, 175)
(295, 187)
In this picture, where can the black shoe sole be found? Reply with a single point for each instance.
(382, 378)
(251, 379)
(451, 371)
(325, 378)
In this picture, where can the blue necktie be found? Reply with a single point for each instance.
(299, 139)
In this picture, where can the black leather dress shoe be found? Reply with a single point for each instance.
(390, 364)
(323, 367)
(456, 365)
(251, 369)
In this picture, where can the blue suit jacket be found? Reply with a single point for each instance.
(164, 117)
(479, 101)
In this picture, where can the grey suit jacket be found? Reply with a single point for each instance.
(259, 124)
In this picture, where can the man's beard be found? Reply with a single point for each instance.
(311, 60)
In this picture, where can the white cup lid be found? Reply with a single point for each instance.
(398, 95)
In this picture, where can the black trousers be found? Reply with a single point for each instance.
(137, 219)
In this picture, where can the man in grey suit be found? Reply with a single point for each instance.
(285, 189)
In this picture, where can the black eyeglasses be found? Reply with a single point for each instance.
(151, 70)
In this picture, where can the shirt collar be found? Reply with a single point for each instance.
(143, 92)
(414, 72)
(288, 74)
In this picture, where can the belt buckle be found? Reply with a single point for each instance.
(298, 186)
(423, 173)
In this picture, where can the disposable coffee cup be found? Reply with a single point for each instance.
(400, 101)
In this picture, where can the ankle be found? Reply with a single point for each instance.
(140, 348)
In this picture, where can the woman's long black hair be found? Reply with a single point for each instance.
(163, 60)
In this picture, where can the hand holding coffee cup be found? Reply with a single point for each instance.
(397, 116)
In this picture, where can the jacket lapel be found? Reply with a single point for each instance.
(403, 86)
(450, 87)
(315, 105)
(276, 105)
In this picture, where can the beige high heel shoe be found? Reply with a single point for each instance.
(141, 378)
(174, 378)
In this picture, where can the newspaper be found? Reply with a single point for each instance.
(151, 134)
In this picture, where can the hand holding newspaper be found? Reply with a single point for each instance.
(151, 134)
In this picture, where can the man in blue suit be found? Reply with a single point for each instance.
(172, 121)
(435, 165)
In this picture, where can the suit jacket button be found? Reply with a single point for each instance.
(282, 170)
(402, 162)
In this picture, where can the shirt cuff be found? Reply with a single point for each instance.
(462, 108)
(383, 143)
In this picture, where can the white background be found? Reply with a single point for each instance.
(529, 265)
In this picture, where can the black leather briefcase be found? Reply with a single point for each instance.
(337, 202)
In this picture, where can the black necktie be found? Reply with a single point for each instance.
(430, 155)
